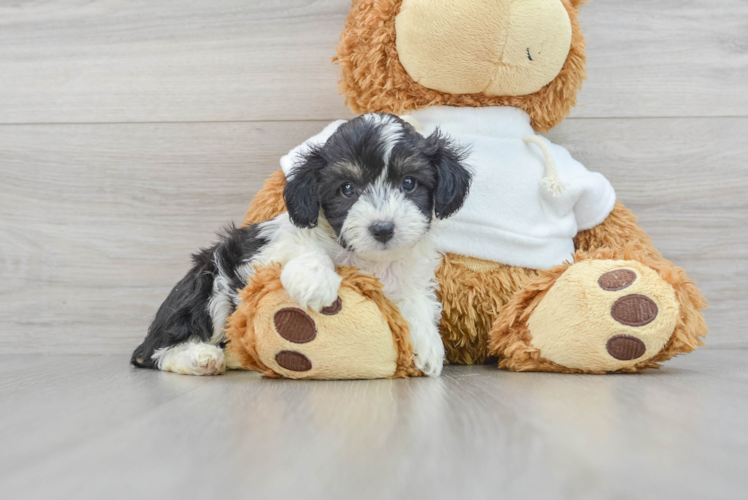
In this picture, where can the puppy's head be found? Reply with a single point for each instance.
(378, 183)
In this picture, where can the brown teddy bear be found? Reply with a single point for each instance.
(544, 268)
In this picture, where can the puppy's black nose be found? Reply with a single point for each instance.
(382, 231)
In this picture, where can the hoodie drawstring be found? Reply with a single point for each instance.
(552, 183)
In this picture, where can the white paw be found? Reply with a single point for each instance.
(311, 283)
(192, 359)
(428, 351)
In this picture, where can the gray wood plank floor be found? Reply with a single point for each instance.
(131, 130)
(102, 429)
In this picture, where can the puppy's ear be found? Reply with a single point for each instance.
(453, 175)
(302, 190)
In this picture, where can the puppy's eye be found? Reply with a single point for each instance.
(409, 184)
(348, 190)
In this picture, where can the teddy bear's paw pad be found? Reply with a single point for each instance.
(294, 361)
(295, 325)
(625, 347)
(634, 310)
(604, 315)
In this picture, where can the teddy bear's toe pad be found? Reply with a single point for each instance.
(634, 310)
(294, 361)
(295, 325)
(604, 315)
(612, 281)
(626, 347)
(334, 309)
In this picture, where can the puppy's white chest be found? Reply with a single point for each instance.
(402, 277)
(393, 284)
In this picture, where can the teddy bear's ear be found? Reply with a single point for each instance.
(574, 3)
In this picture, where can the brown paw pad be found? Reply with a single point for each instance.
(334, 309)
(634, 310)
(625, 347)
(295, 326)
(294, 361)
(619, 279)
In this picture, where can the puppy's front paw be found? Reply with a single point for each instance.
(428, 352)
(311, 284)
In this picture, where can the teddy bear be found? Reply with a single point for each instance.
(544, 268)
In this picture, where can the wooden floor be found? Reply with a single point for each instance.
(131, 130)
(90, 427)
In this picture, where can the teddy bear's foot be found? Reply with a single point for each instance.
(597, 316)
(604, 315)
(358, 337)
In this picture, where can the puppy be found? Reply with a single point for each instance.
(366, 198)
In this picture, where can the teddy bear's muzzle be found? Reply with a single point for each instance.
(494, 47)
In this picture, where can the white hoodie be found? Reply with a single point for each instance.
(510, 216)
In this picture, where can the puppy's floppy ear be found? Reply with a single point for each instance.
(302, 190)
(453, 175)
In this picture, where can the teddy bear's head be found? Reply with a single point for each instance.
(402, 55)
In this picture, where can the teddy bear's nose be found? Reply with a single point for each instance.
(382, 231)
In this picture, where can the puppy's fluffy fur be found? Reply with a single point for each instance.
(366, 198)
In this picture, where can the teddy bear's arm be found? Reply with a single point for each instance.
(269, 202)
(616, 232)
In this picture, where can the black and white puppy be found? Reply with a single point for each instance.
(366, 198)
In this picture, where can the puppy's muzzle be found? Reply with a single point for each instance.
(382, 231)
